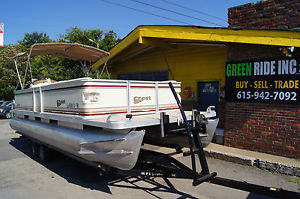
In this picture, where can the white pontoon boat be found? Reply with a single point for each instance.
(99, 120)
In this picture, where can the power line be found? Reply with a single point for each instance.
(145, 12)
(191, 9)
(178, 13)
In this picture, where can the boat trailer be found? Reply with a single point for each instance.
(155, 164)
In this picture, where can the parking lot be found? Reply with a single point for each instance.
(21, 176)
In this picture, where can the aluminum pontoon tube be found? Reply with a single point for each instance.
(112, 149)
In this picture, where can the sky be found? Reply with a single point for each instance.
(54, 17)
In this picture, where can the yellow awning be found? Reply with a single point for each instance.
(142, 36)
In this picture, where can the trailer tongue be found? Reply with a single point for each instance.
(154, 164)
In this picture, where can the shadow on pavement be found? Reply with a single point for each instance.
(80, 174)
(132, 183)
(258, 196)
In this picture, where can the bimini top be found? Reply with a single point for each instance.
(72, 51)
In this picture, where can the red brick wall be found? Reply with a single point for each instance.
(268, 128)
(221, 114)
(271, 14)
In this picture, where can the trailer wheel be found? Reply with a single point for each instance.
(34, 149)
(44, 153)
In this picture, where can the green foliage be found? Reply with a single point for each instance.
(8, 76)
(105, 40)
(109, 40)
(296, 180)
(42, 66)
(32, 38)
(48, 66)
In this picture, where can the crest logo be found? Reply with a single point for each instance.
(137, 100)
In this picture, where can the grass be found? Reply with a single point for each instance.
(269, 170)
(247, 166)
(296, 180)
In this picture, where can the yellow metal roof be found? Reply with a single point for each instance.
(144, 36)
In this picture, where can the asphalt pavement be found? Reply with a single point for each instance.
(22, 176)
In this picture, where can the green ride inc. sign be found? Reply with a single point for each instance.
(270, 81)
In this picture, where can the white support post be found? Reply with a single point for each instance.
(194, 117)
(41, 101)
(128, 97)
(19, 78)
(33, 100)
(162, 128)
(156, 97)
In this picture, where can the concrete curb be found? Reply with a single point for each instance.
(230, 157)
(279, 164)
(278, 167)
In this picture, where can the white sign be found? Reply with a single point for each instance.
(1, 34)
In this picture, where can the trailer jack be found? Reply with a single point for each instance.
(155, 164)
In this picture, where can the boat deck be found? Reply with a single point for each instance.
(115, 121)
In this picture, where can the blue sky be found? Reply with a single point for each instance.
(55, 16)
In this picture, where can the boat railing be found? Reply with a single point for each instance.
(38, 98)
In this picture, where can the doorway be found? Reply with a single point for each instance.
(208, 95)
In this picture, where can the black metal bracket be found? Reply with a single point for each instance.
(194, 138)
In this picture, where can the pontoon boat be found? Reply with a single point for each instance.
(99, 120)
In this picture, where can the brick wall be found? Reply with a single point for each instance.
(268, 128)
(270, 14)
(221, 114)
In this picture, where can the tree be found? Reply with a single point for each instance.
(32, 38)
(60, 68)
(109, 40)
(42, 66)
(8, 76)
(48, 66)
(105, 40)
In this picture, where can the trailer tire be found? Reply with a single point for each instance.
(44, 153)
(34, 149)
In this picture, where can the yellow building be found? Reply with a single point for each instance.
(187, 54)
